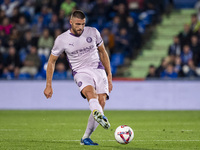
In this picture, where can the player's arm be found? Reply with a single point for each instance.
(49, 74)
(106, 63)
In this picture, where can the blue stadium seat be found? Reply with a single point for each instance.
(117, 59)
(135, 16)
(8, 76)
(60, 76)
(24, 76)
(43, 60)
(40, 75)
(184, 3)
(113, 69)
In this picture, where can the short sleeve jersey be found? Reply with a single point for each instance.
(81, 50)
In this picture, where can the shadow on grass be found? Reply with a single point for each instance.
(72, 145)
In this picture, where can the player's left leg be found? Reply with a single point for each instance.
(92, 123)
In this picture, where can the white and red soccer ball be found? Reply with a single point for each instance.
(124, 134)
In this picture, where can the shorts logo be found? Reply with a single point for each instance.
(89, 39)
(79, 84)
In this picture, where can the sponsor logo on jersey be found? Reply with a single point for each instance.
(82, 51)
(71, 44)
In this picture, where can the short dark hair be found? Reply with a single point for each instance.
(78, 14)
(151, 66)
(194, 15)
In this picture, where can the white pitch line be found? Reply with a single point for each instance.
(133, 140)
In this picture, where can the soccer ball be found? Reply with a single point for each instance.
(124, 134)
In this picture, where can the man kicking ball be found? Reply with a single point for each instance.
(90, 66)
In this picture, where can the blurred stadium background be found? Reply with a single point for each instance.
(154, 48)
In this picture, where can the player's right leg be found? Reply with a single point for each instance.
(100, 118)
(95, 106)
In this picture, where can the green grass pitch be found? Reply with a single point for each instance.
(62, 130)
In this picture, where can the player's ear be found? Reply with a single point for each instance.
(70, 21)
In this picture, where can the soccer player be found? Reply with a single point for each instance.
(90, 67)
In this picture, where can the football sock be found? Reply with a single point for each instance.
(91, 126)
(94, 104)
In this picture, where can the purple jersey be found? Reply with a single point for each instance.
(81, 50)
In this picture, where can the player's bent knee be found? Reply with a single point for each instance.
(89, 95)
(89, 92)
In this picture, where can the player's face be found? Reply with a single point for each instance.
(77, 26)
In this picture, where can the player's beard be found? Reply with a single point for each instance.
(76, 31)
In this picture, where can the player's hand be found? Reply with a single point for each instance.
(110, 86)
(48, 91)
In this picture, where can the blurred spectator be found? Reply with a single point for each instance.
(186, 55)
(68, 6)
(195, 47)
(178, 66)
(28, 9)
(190, 69)
(2, 15)
(195, 24)
(198, 35)
(46, 14)
(60, 72)
(57, 32)
(134, 34)
(62, 59)
(115, 4)
(108, 39)
(1, 64)
(162, 67)
(45, 43)
(26, 41)
(169, 72)
(54, 24)
(175, 48)
(3, 38)
(86, 6)
(152, 72)
(64, 20)
(135, 4)
(122, 12)
(197, 7)
(6, 26)
(12, 63)
(61, 17)
(99, 13)
(8, 7)
(38, 27)
(22, 26)
(115, 25)
(31, 63)
(122, 43)
(15, 16)
(14, 38)
(55, 5)
(2, 48)
(185, 35)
